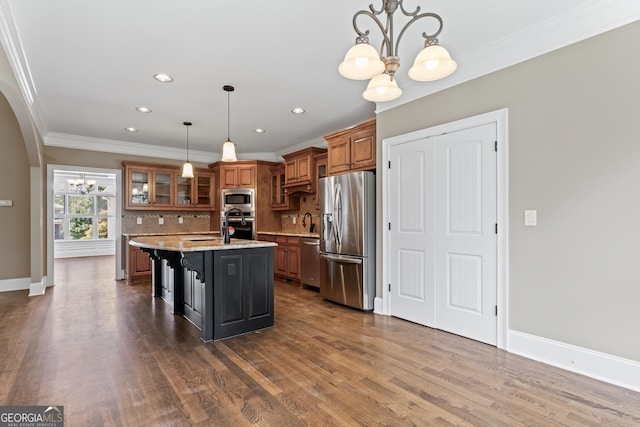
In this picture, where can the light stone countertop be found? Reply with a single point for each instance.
(194, 243)
(282, 233)
(175, 233)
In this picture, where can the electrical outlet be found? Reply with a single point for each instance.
(294, 220)
(180, 220)
(161, 220)
(7, 203)
(139, 220)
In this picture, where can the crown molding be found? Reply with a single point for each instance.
(589, 19)
(17, 60)
(316, 142)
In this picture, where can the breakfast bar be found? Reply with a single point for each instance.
(225, 289)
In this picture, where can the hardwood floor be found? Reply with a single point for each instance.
(113, 355)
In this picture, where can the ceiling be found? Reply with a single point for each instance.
(89, 64)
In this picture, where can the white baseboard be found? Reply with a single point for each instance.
(19, 284)
(378, 307)
(601, 366)
(38, 288)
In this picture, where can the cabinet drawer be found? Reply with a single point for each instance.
(293, 241)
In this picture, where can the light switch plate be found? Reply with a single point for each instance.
(530, 218)
(7, 203)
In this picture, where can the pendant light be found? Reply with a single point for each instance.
(187, 168)
(229, 148)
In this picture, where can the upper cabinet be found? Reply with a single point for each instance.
(238, 175)
(321, 172)
(280, 200)
(160, 187)
(352, 149)
(300, 170)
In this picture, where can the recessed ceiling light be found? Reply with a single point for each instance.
(259, 130)
(131, 129)
(143, 109)
(164, 78)
(297, 110)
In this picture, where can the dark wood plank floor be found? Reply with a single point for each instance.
(113, 355)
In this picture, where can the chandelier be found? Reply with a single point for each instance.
(82, 185)
(362, 61)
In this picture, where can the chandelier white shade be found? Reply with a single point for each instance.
(363, 62)
(228, 148)
(382, 88)
(432, 63)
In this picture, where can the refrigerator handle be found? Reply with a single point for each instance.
(328, 221)
(342, 259)
(337, 207)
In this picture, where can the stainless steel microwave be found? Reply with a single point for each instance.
(241, 198)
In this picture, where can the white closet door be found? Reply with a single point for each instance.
(465, 233)
(411, 213)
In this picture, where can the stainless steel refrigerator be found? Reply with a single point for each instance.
(347, 239)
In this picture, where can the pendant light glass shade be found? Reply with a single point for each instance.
(361, 62)
(382, 88)
(187, 168)
(432, 63)
(229, 152)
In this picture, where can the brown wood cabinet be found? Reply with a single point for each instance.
(286, 256)
(352, 149)
(151, 186)
(138, 266)
(300, 170)
(320, 172)
(280, 200)
(238, 175)
(248, 174)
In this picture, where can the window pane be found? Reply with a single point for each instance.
(58, 229)
(58, 206)
(79, 205)
(106, 205)
(80, 228)
(103, 228)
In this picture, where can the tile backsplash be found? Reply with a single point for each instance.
(307, 204)
(150, 222)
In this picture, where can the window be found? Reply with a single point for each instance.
(84, 209)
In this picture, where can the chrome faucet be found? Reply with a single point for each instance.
(312, 226)
(225, 227)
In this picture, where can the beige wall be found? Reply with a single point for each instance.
(574, 155)
(15, 176)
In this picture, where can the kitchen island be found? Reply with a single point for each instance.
(224, 289)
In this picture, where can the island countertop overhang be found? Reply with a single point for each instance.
(194, 243)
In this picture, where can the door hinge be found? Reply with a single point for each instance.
(389, 164)
(496, 228)
(389, 226)
(496, 146)
(496, 310)
(389, 287)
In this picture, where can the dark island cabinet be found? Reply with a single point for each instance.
(193, 297)
(236, 291)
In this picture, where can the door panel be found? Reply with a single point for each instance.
(412, 267)
(466, 248)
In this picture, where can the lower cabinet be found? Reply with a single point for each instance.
(193, 297)
(138, 266)
(286, 256)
